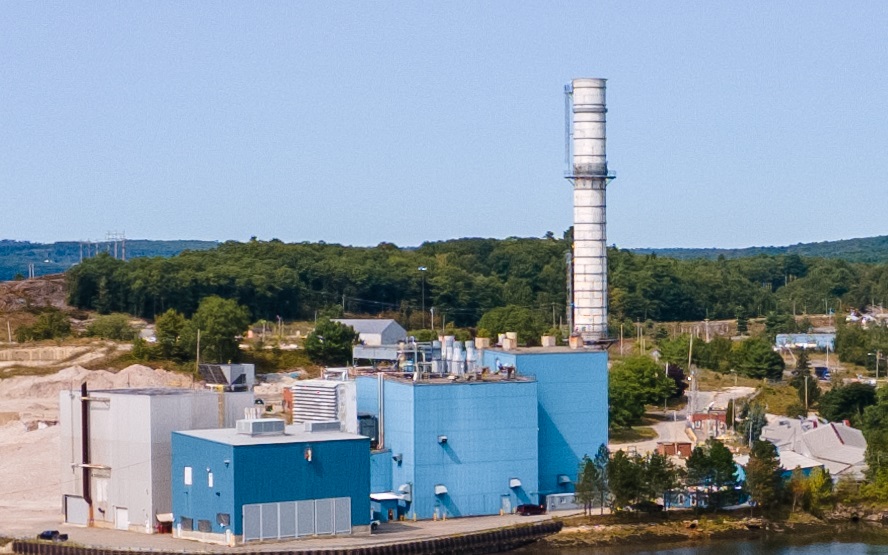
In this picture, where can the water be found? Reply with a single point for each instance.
(845, 544)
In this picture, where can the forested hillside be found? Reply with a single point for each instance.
(869, 249)
(55, 258)
(464, 279)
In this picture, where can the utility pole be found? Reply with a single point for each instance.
(197, 358)
(806, 395)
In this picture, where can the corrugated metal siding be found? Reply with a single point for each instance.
(268, 473)
(573, 403)
(492, 437)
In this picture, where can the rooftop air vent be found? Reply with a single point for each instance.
(264, 426)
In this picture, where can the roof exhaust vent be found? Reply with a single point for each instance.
(261, 427)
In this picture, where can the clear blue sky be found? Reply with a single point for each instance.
(729, 124)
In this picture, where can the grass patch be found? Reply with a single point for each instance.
(631, 435)
(777, 398)
(709, 380)
(277, 360)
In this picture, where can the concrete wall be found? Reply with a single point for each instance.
(266, 473)
(491, 431)
(573, 407)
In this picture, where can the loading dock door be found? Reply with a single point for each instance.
(76, 510)
(121, 518)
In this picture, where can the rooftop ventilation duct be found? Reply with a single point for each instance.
(262, 427)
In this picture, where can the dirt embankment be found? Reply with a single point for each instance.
(17, 296)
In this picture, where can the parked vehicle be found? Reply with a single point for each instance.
(527, 510)
(52, 535)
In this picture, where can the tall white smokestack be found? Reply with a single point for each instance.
(589, 174)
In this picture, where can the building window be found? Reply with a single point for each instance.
(224, 519)
(186, 523)
(204, 526)
(209, 479)
(187, 475)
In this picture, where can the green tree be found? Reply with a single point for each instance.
(51, 324)
(660, 476)
(723, 468)
(802, 362)
(219, 321)
(730, 414)
(806, 386)
(525, 322)
(820, 490)
(584, 490)
(712, 466)
(330, 343)
(625, 476)
(648, 378)
(755, 358)
(798, 488)
(600, 485)
(874, 426)
(112, 326)
(763, 474)
(169, 329)
(742, 321)
(753, 423)
(699, 468)
(847, 402)
(779, 323)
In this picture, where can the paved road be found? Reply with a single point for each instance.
(676, 421)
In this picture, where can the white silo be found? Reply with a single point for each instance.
(589, 175)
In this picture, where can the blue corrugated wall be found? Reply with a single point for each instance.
(199, 501)
(381, 471)
(265, 473)
(573, 407)
(491, 431)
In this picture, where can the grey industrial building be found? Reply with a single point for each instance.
(126, 459)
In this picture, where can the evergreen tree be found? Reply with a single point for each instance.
(754, 422)
(742, 321)
(584, 491)
(660, 476)
(847, 402)
(625, 476)
(601, 461)
(763, 474)
(755, 358)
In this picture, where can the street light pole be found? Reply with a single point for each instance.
(423, 269)
(878, 355)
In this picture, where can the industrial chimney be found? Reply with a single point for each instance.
(587, 171)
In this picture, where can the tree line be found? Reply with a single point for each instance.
(464, 279)
(622, 481)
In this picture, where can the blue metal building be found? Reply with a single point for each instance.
(263, 481)
(454, 448)
(573, 406)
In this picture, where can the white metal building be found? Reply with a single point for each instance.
(127, 458)
(372, 331)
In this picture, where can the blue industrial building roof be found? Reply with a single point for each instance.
(293, 434)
